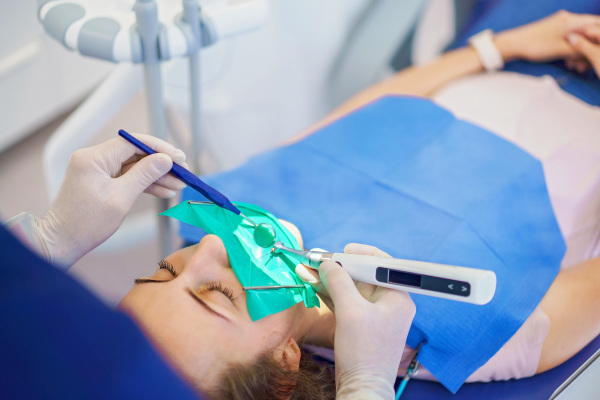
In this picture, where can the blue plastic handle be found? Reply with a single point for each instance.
(187, 177)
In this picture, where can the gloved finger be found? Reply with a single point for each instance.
(170, 182)
(123, 150)
(167, 181)
(307, 274)
(160, 191)
(365, 250)
(344, 294)
(395, 303)
(365, 289)
(138, 156)
(143, 174)
(385, 295)
(311, 276)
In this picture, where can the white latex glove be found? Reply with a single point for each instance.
(372, 324)
(100, 186)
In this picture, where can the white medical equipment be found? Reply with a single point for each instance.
(468, 285)
(258, 89)
(136, 32)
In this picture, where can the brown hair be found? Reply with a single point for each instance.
(268, 379)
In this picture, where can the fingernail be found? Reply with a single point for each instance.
(573, 38)
(305, 275)
(319, 249)
(162, 162)
(171, 194)
(179, 156)
(349, 248)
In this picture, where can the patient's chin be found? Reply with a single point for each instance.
(294, 231)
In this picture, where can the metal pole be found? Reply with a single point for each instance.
(146, 13)
(191, 12)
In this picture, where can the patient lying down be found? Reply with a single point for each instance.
(193, 308)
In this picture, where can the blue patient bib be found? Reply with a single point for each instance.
(404, 175)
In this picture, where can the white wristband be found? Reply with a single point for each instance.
(484, 45)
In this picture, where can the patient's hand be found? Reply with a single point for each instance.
(544, 40)
(586, 42)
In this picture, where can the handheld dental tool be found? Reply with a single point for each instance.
(451, 282)
(264, 234)
(273, 287)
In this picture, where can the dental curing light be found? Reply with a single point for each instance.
(468, 285)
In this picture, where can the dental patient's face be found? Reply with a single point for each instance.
(194, 310)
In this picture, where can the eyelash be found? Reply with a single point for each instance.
(168, 266)
(219, 288)
(211, 286)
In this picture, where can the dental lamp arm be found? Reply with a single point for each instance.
(540, 41)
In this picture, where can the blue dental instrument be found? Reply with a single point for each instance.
(264, 234)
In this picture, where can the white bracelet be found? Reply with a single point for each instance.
(484, 45)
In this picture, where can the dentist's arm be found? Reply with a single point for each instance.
(100, 186)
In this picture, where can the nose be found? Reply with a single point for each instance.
(208, 255)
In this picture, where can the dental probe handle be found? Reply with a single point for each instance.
(186, 176)
(469, 285)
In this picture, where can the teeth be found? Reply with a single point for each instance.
(277, 247)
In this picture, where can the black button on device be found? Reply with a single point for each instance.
(381, 274)
(449, 286)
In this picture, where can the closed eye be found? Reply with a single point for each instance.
(217, 286)
(163, 264)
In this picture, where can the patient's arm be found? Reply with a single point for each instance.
(573, 306)
(540, 41)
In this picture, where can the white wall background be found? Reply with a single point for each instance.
(39, 79)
